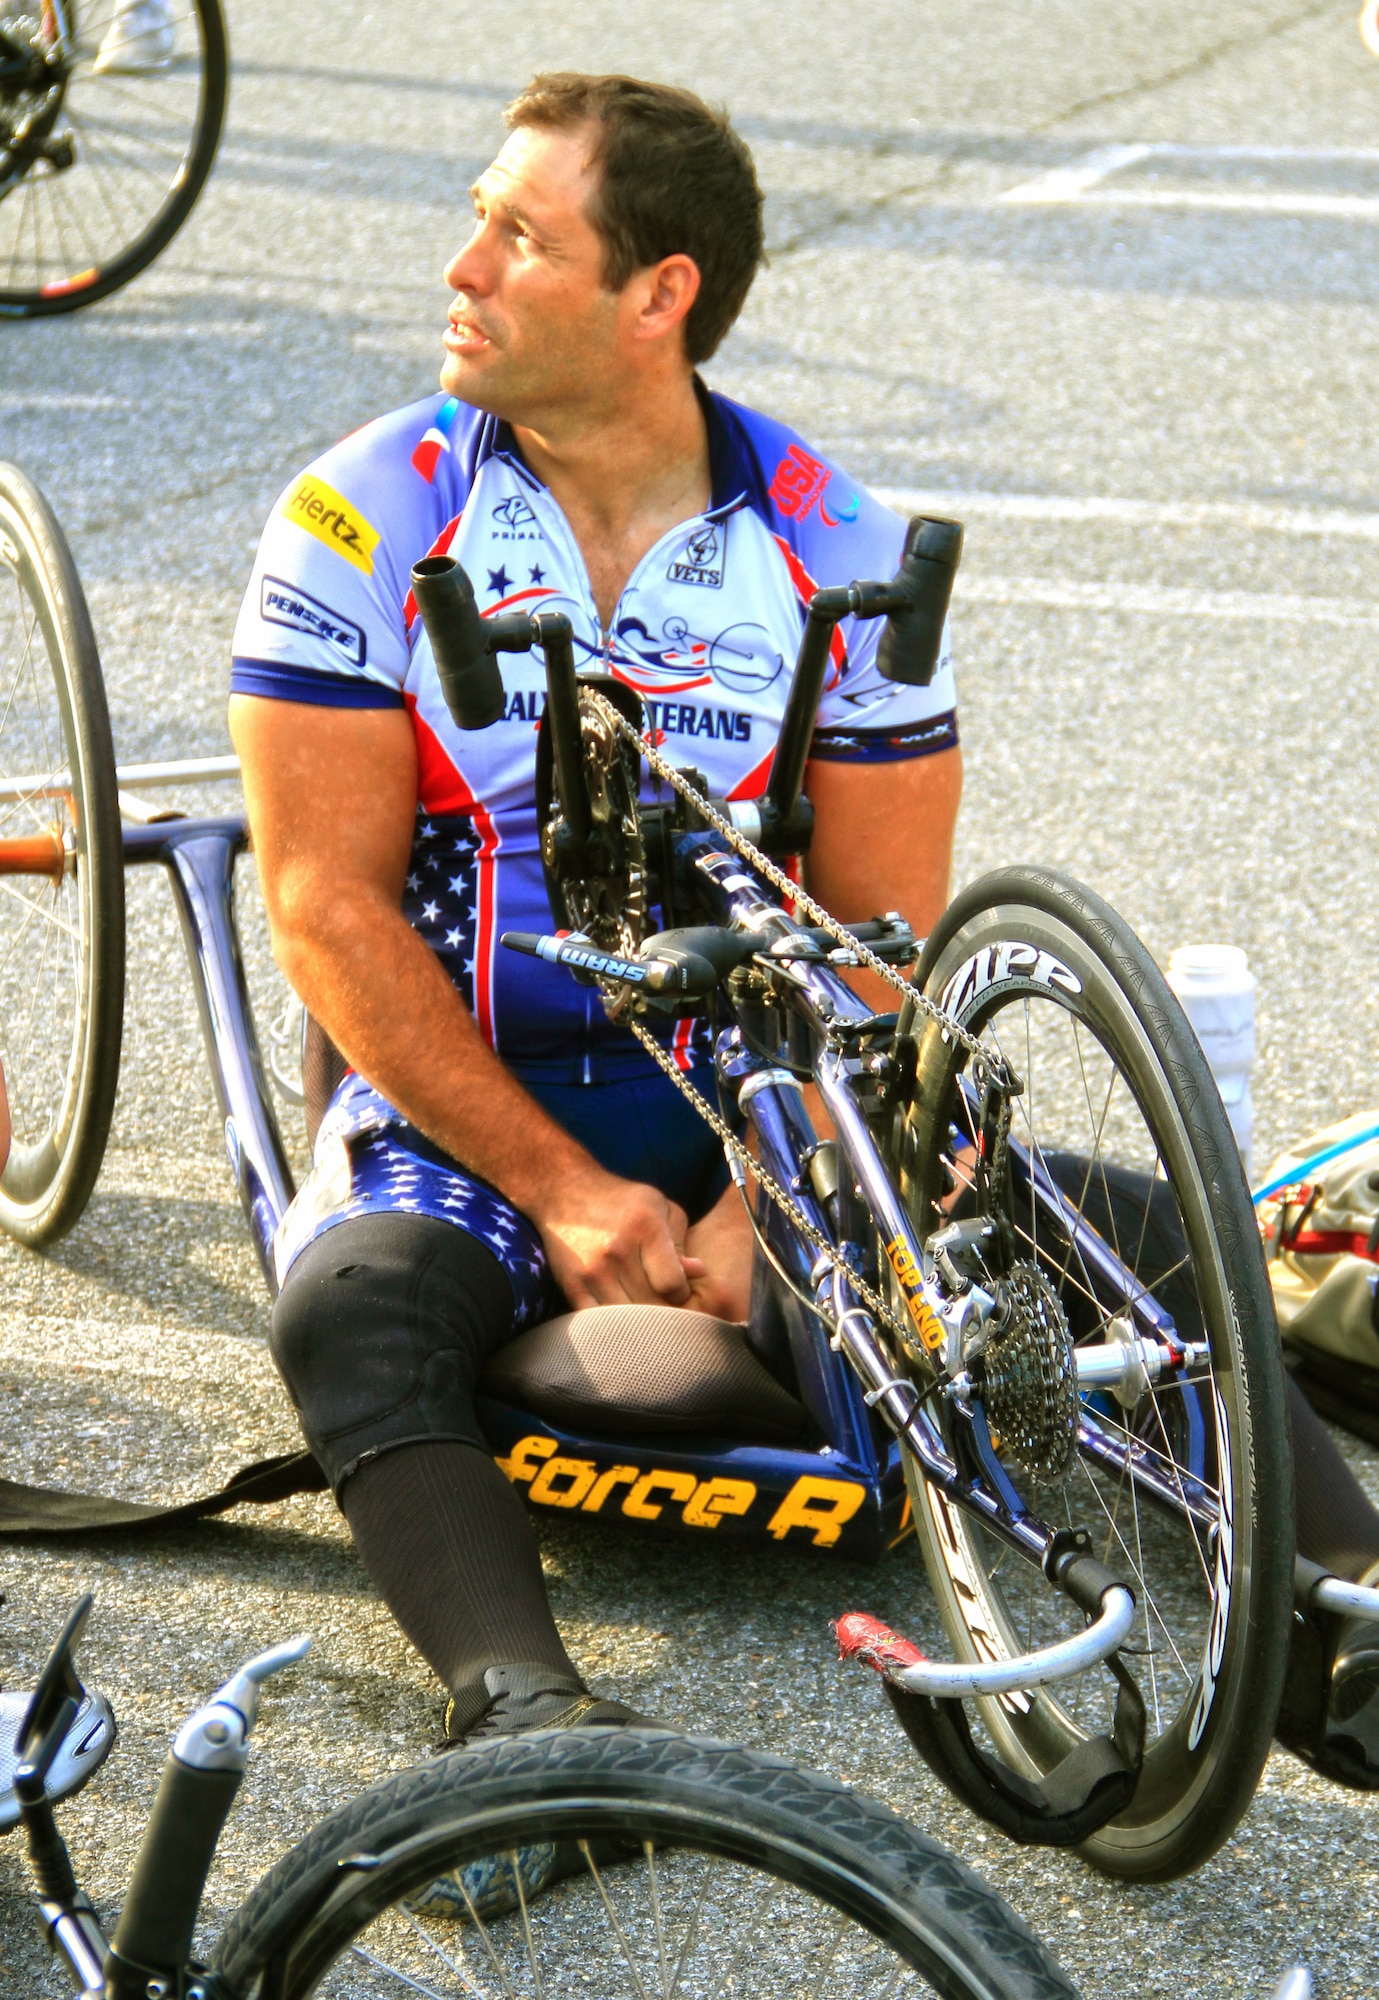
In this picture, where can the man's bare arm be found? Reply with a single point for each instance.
(331, 794)
(883, 837)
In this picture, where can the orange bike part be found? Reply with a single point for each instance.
(34, 854)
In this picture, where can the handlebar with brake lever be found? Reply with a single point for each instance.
(465, 646)
(200, 1779)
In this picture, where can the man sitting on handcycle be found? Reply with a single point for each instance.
(497, 1146)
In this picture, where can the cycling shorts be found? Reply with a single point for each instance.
(370, 1161)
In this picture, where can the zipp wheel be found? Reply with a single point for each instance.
(62, 913)
(1121, 1182)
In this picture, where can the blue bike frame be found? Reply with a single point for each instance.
(847, 1494)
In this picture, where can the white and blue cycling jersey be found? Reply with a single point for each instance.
(706, 630)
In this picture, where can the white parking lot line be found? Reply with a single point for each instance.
(1247, 516)
(1069, 183)
(1082, 183)
(1163, 601)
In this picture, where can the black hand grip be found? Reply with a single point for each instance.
(159, 1915)
(909, 648)
(469, 674)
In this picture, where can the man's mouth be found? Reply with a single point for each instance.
(460, 337)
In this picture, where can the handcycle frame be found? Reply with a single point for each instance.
(847, 1493)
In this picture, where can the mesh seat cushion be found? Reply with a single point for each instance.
(623, 1370)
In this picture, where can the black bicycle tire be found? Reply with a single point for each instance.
(1240, 1726)
(743, 1803)
(137, 256)
(42, 1218)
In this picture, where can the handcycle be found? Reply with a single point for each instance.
(1013, 1305)
(99, 167)
(670, 1865)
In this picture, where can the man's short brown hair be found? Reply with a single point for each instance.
(675, 179)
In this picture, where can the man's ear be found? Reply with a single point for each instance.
(666, 292)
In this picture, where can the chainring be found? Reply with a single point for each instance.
(602, 890)
(1029, 1377)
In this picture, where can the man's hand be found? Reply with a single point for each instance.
(612, 1242)
(722, 1243)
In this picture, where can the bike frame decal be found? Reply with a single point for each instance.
(1221, 1589)
(907, 1276)
(821, 1508)
(1008, 965)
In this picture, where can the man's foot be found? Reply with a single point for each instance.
(140, 38)
(521, 1697)
(530, 1696)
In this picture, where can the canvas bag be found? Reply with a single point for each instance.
(1321, 1237)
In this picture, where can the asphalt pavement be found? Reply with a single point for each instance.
(1100, 274)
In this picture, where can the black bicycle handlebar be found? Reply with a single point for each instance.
(915, 606)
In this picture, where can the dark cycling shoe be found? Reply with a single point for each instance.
(1355, 1674)
(531, 1696)
(523, 1697)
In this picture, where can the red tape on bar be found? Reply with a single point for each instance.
(863, 1638)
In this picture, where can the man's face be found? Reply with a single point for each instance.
(532, 328)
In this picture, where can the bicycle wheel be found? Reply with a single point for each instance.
(1187, 1492)
(696, 1869)
(62, 924)
(110, 114)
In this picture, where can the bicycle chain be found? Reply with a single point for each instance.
(732, 1145)
(778, 879)
(788, 1207)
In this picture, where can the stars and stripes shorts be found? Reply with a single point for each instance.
(370, 1161)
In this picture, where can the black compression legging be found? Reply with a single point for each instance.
(1337, 1526)
(381, 1332)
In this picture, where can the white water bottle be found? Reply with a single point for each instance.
(1216, 990)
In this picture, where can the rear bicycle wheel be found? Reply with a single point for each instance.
(695, 1869)
(1187, 1492)
(62, 914)
(110, 115)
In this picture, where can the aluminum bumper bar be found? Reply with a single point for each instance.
(1030, 1670)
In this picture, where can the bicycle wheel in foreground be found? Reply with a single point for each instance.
(110, 115)
(62, 925)
(1184, 1487)
(695, 1870)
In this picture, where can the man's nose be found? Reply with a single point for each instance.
(469, 270)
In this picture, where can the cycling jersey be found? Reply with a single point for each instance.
(706, 630)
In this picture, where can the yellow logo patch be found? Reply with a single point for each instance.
(929, 1328)
(312, 505)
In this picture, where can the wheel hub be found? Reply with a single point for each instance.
(33, 81)
(1029, 1377)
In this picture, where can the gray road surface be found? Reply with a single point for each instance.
(1166, 685)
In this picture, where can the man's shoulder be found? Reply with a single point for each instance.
(827, 520)
(409, 452)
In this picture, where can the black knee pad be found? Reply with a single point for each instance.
(381, 1331)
